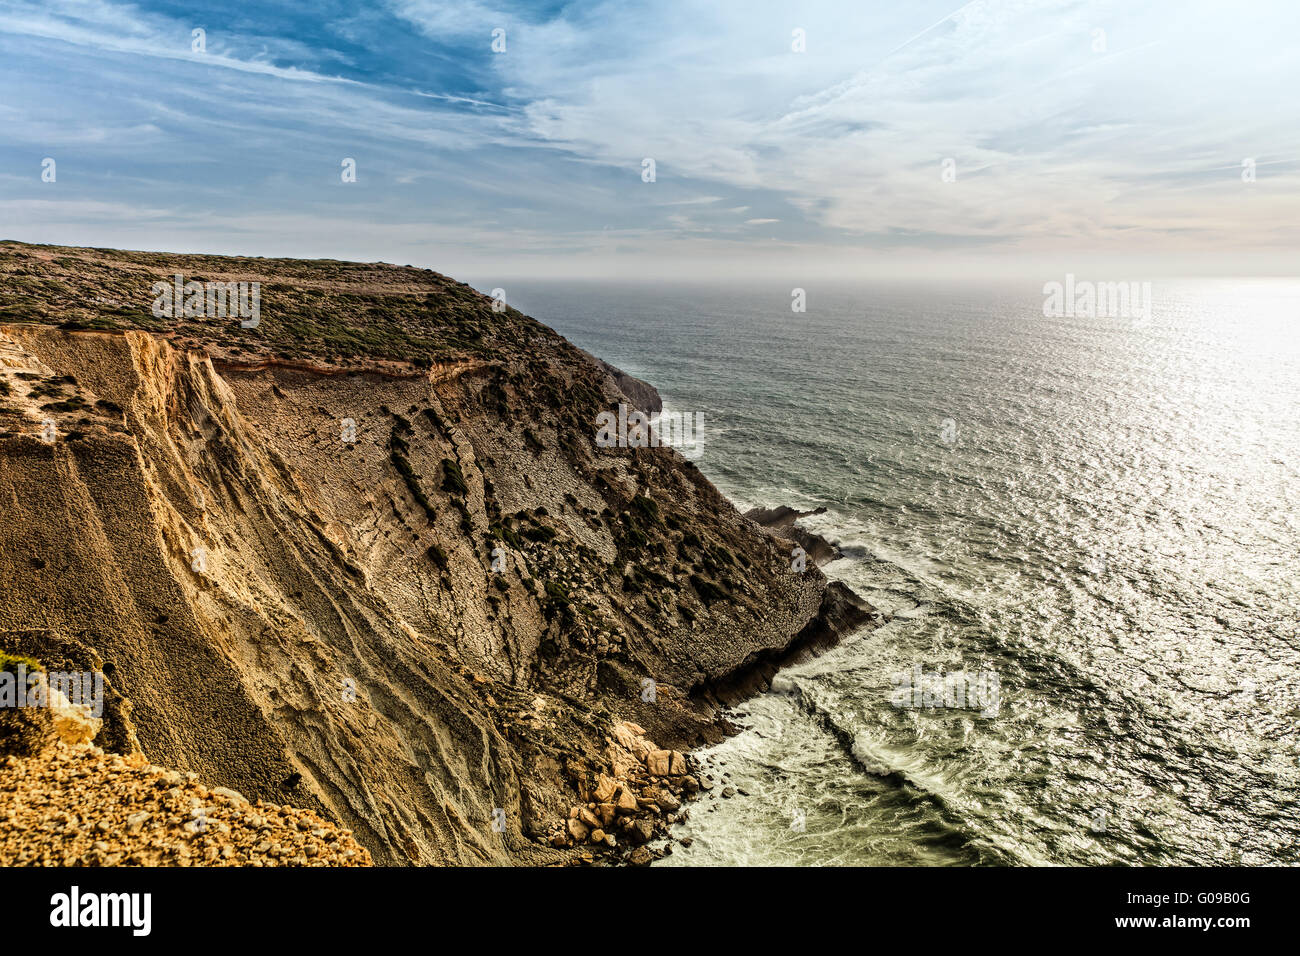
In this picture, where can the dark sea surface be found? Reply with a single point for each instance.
(1100, 513)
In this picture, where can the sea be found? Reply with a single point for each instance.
(1083, 528)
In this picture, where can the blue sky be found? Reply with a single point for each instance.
(1072, 148)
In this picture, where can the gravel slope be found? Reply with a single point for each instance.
(80, 806)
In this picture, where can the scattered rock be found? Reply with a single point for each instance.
(74, 724)
(143, 817)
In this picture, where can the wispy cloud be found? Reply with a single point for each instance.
(1007, 126)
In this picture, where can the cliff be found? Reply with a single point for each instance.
(366, 558)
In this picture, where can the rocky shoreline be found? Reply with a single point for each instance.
(627, 809)
(651, 789)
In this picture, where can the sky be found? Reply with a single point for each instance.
(819, 138)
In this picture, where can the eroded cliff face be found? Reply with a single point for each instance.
(411, 594)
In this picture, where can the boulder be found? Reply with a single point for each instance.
(667, 801)
(626, 801)
(606, 787)
(641, 831)
(578, 830)
(658, 762)
(631, 737)
(74, 724)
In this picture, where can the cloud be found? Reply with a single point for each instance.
(998, 125)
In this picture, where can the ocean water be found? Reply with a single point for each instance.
(1094, 518)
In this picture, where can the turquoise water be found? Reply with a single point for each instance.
(1100, 512)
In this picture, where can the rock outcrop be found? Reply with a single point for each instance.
(366, 557)
(782, 521)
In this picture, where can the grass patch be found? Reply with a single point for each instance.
(9, 663)
(453, 480)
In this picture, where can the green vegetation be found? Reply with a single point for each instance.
(397, 450)
(557, 603)
(453, 481)
(540, 533)
(9, 663)
(501, 532)
(324, 310)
